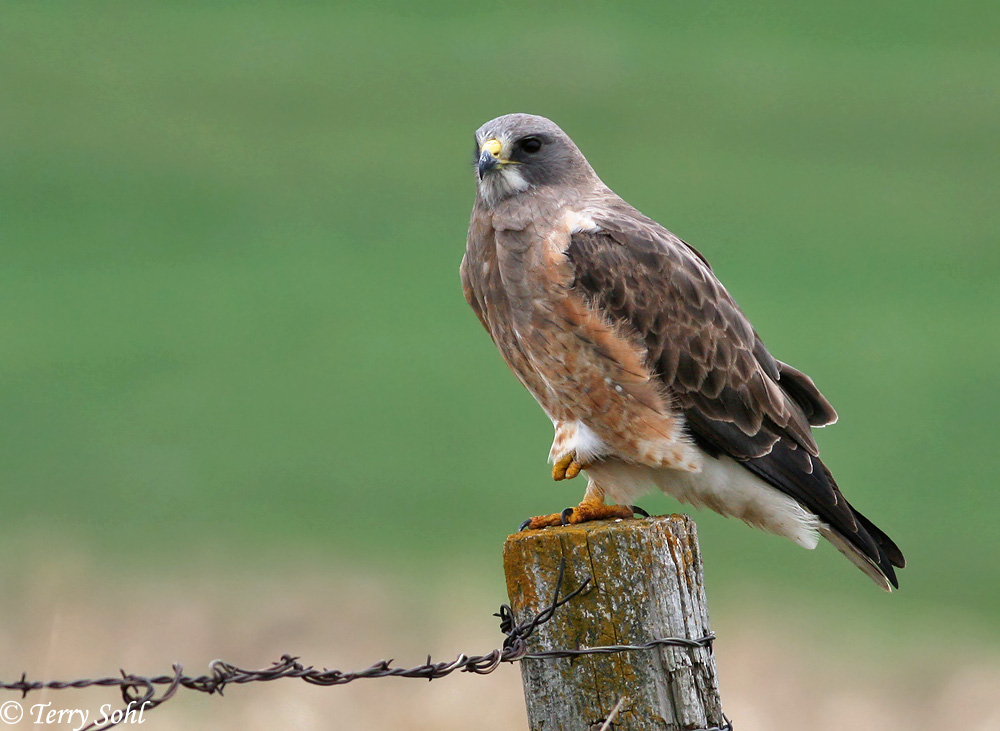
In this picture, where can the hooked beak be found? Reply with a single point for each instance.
(488, 157)
(486, 163)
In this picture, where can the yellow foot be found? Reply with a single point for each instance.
(567, 468)
(586, 511)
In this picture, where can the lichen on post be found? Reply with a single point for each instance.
(646, 583)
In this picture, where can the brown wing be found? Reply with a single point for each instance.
(737, 399)
(697, 339)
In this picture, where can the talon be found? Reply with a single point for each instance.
(560, 468)
(587, 510)
(567, 467)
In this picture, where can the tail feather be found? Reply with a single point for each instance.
(804, 478)
(877, 565)
(859, 559)
(884, 542)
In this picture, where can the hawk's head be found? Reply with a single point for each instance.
(519, 152)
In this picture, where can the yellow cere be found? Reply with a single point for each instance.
(492, 146)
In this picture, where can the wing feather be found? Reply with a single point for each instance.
(737, 398)
(697, 339)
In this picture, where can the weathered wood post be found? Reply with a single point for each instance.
(647, 583)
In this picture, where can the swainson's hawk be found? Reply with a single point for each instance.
(650, 373)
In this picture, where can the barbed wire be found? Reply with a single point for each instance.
(139, 692)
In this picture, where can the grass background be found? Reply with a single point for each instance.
(233, 332)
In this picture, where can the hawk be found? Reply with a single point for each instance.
(651, 374)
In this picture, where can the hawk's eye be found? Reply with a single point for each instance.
(531, 145)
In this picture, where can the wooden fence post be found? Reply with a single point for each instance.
(647, 583)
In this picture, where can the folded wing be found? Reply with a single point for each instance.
(737, 399)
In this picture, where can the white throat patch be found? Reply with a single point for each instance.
(502, 183)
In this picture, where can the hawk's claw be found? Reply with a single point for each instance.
(567, 467)
(584, 512)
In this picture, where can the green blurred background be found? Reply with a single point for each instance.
(229, 244)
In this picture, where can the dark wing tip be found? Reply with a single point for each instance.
(885, 543)
(803, 391)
